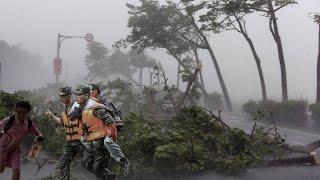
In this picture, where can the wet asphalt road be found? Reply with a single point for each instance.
(297, 136)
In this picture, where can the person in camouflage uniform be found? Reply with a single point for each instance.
(73, 145)
(113, 148)
(97, 124)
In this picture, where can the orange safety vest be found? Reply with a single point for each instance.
(118, 124)
(73, 131)
(96, 127)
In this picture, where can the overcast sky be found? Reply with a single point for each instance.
(35, 23)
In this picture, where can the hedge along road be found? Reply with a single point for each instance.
(293, 137)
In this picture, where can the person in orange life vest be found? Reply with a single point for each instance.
(12, 131)
(95, 93)
(97, 123)
(73, 145)
(109, 142)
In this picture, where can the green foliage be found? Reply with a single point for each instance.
(159, 26)
(55, 136)
(230, 14)
(121, 93)
(102, 65)
(315, 109)
(261, 5)
(141, 60)
(119, 62)
(293, 111)
(250, 107)
(315, 17)
(97, 52)
(195, 91)
(97, 60)
(7, 103)
(139, 141)
(192, 141)
(150, 103)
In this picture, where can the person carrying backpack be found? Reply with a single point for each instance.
(13, 129)
(98, 129)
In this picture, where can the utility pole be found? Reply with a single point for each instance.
(58, 61)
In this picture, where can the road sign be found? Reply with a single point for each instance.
(89, 37)
(57, 65)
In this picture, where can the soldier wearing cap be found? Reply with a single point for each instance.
(113, 148)
(73, 145)
(97, 124)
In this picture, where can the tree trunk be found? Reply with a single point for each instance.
(140, 76)
(216, 65)
(188, 89)
(158, 79)
(185, 67)
(257, 59)
(222, 84)
(276, 36)
(150, 78)
(214, 60)
(318, 70)
(178, 75)
(243, 31)
(199, 64)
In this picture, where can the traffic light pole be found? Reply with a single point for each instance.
(58, 56)
(88, 38)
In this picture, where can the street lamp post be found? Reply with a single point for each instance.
(57, 62)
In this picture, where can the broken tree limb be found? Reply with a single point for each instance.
(187, 92)
(253, 130)
(186, 69)
(217, 118)
(168, 89)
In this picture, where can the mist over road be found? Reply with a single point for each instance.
(297, 136)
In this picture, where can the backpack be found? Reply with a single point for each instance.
(10, 123)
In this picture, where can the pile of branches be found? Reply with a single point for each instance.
(195, 141)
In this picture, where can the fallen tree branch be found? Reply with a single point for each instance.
(218, 118)
(253, 130)
(187, 92)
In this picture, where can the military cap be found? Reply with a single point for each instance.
(64, 91)
(81, 89)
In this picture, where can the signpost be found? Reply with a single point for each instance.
(57, 63)
(89, 37)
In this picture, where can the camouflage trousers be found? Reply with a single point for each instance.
(69, 152)
(95, 158)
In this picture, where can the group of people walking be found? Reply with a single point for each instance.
(91, 126)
